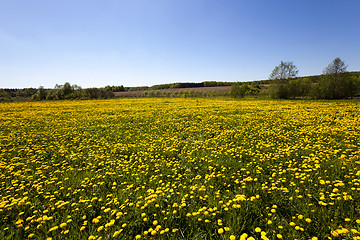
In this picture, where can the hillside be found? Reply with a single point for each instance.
(199, 91)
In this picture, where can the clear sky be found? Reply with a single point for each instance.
(95, 43)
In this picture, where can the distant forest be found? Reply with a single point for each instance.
(326, 86)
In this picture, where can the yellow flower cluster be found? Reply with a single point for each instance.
(180, 169)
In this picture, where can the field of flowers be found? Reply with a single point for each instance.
(180, 169)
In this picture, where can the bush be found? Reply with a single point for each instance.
(238, 90)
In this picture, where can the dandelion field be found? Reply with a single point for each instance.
(180, 169)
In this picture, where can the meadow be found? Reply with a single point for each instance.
(180, 169)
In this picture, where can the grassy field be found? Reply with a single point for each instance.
(180, 169)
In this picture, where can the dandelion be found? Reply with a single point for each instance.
(243, 236)
(53, 228)
(62, 225)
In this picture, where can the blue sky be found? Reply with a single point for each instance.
(95, 43)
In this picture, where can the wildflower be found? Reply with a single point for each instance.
(53, 228)
(62, 225)
(243, 236)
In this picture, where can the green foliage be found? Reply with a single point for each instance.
(40, 94)
(4, 96)
(336, 83)
(299, 87)
(139, 88)
(336, 88)
(97, 93)
(238, 90)
(279, 91)
(115, 88)
(281, 75)
(68, 91)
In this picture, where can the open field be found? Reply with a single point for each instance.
(175, 168)
(203, 90)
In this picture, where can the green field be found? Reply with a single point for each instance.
(180, 169)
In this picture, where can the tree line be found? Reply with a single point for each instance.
(334, 83)
(68, 91)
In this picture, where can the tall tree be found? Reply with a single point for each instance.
(336, 67)
(281, 74)
(283, 71)
(335, 83)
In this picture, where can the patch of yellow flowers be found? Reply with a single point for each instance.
(180, 169)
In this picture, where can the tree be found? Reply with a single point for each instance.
(335, 83)
(40, 94)
(299, 87)
(281, 74)
(336, 67)
(238, 90)
(4, 96)
(283, 71)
